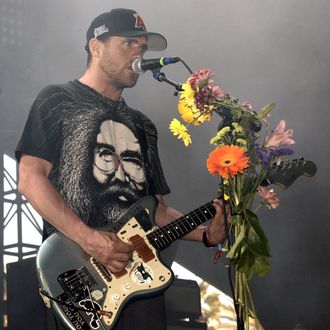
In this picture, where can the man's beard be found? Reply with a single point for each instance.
(117, 79)
(113, 201)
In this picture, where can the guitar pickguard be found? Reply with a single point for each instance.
(139, 277)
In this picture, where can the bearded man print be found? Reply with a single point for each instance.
(118, 169)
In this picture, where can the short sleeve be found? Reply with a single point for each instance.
(42, 129)
(157, 178)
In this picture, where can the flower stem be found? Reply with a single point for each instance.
(249, 298)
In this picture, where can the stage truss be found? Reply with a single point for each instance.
(21, 226)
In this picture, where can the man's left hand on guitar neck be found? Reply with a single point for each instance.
(216, 233)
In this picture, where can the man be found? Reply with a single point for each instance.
(85, 156)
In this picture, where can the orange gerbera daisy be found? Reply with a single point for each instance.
(227, 160)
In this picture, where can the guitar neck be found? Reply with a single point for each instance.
(283, 174)
(163, 237)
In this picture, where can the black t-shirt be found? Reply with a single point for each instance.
(104, 154)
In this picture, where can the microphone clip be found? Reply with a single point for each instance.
(160, 76)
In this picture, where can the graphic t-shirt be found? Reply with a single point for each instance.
(104, 154)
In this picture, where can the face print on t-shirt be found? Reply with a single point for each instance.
(118, 165)
(117, 156)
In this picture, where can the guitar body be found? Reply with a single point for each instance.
(65, 271)
(88, 296)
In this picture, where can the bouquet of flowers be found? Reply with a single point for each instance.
(245, 152)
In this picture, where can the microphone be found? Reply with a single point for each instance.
(141, 66)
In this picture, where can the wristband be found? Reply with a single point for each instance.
(205, 239)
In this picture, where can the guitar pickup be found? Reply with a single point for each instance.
(104, 272)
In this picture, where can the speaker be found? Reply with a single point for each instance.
(182, 325)
(183, 306)
(25, 308)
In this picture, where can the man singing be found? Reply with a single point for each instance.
(85, 156)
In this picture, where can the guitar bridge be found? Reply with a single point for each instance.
(74, 283)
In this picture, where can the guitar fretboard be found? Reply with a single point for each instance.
(163, 237)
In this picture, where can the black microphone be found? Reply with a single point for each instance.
(141, 66)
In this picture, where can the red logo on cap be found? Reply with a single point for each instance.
(139, 22)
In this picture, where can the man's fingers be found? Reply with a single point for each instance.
(116, 267)
(218, 206)
(119, 245)
(124, 247)
(123, 257)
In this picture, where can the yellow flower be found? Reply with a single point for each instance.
(207, 115)
(226, 197)
(181, 131)
(220, 134)
(192, 115)
(237, 128)
(186, 113)
(188, 95)
(241, 142)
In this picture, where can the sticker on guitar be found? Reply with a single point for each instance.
(141, 274)
(94, 322)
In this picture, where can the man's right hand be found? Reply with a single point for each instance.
(108, 249)
(34, 184)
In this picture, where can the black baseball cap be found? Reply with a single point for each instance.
(125, 23)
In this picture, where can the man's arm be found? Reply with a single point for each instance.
(216, 228)
(40, 192)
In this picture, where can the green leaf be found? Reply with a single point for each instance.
(247, 185)
(261, 266)
(246, 261)
(266, 110)
(256, 244)
(239, 208)
(258, 238)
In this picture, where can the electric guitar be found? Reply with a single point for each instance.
(86, 295)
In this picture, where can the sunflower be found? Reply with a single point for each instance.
(181, 131)
(227, 160)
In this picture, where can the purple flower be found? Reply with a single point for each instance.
(264, 154)
(284, 151)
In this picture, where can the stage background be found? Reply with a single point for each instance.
(260, 50)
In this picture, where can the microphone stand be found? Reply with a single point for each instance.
(160, 76)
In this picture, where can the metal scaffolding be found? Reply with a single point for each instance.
(21, 226)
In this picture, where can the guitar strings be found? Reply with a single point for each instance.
(164, 232)
(181, 222)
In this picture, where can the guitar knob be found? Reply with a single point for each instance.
(127, 286)
(97, 295)
(116, 297)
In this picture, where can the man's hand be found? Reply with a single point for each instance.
(34, 184)
(108, 249)
(216, 232)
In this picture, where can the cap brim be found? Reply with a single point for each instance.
(155, 40)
